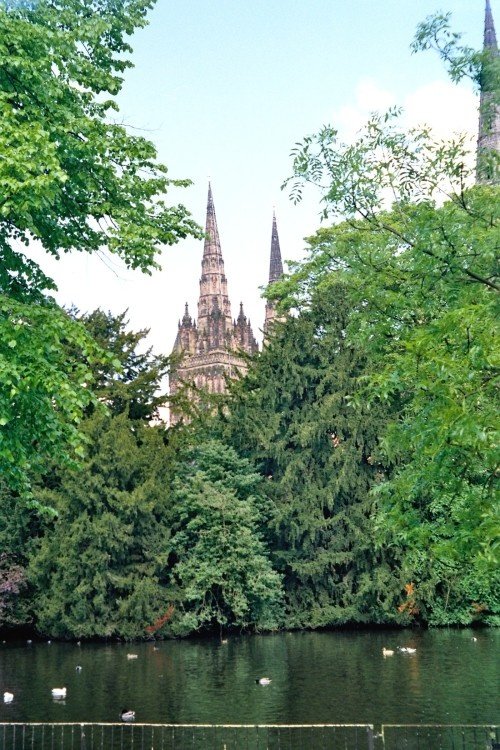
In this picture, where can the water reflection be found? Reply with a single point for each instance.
(316, 677)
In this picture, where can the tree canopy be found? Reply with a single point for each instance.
(72, 178)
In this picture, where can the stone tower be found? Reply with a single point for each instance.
(213, 347)
(275, 272)
(488, 140)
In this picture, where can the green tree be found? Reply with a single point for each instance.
(296, 417)
(97, 571)
(423, 276)
(220, 572)
(70, 179)
(136, 388)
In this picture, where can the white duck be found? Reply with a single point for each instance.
(387, 652)
(8, 697)
(127, 715)
(59, 692)
(263, 681)
(408, 650)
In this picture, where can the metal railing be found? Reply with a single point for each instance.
(439, 737)
(135, 736)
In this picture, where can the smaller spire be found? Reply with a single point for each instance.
(275, 263)
(490, 38)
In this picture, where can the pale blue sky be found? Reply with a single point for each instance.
(224, 89)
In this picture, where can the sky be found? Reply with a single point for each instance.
(225, 89)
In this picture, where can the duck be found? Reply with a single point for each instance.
(59, 692)
(408, 650)
(126, 715)
(78, 668)
(132, 656)
(263, 680)
(388, 651)
(8, 697)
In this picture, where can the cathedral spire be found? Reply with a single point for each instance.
(488, 142)
(212, 242)
(275, 264)
(275, 272)
(214, 309)
(490, 38)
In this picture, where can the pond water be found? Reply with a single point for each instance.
(334, 677)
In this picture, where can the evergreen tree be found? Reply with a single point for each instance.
(98, 568)
(296, 416)
(220, 568)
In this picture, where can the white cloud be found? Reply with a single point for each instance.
(448, 109)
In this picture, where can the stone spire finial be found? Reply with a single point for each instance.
(241, 317)
(488, 142)
(186, 320)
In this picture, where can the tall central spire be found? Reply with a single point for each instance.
(213, 302)
(488, 142)
(213, 348)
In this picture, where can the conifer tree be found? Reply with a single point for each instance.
(296, 417)
(97, 570)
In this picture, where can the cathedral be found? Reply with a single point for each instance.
(215, 346)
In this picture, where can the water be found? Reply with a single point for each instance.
(338, 677)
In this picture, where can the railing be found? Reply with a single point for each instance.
(439, 737)
(134, 736)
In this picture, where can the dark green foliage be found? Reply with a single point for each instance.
(97, 571)
(296, 417)
(129, 380)
(220, 565)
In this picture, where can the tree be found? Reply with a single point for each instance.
(130, 380)
(46, 362)
(220, 572)
(97, 569)
(422, 273)
(70, 179)
(295, 416)
(12, 581)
